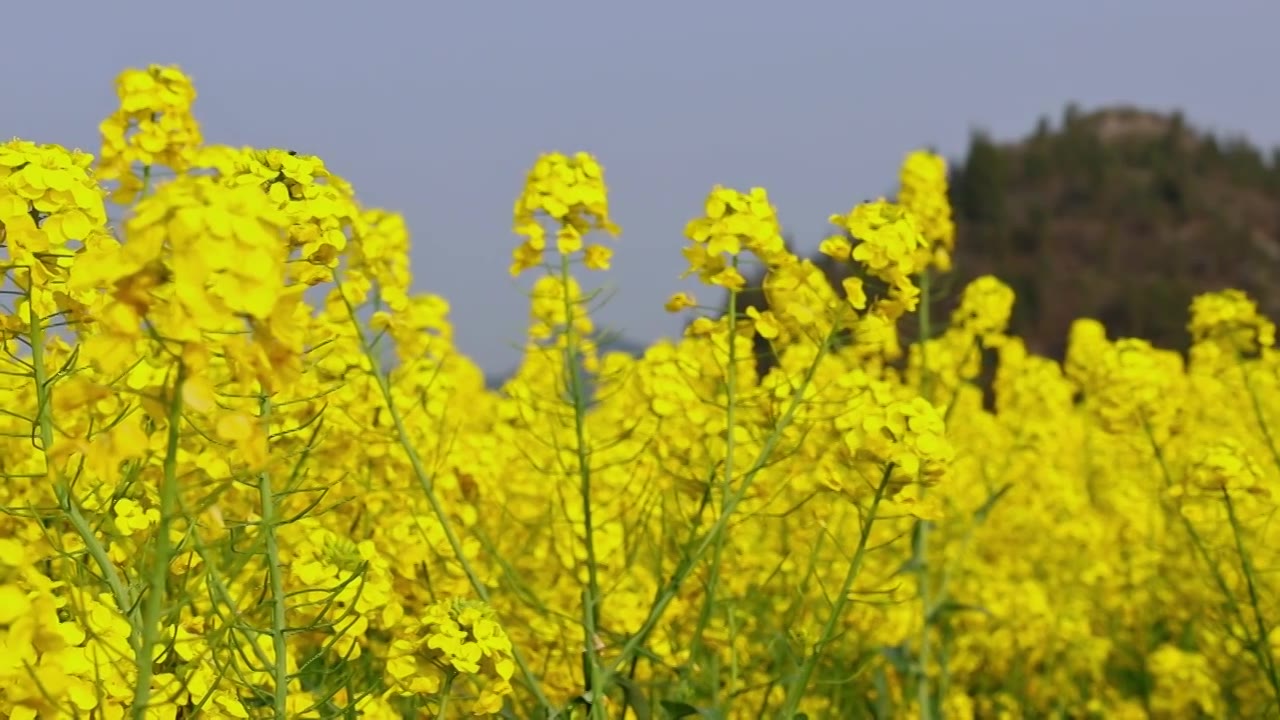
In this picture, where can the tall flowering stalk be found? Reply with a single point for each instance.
(247, 473)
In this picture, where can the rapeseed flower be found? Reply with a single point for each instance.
(247, 472)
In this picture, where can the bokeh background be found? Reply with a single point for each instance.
(437, 109)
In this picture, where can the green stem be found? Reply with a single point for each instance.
(1257, 412)
(146, 181)
(270, 519)
(591, 597)
(156, 593)
(731, 386)
(925, 319)
(1246, 566)
(668, 592)
(922, 526)
(437, 507)
(62, 488)
(1273, 675)
(1254, 644)
(797, 687)
(444, 695)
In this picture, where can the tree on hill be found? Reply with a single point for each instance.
(1122, 215)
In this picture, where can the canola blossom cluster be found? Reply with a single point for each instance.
(247, 474)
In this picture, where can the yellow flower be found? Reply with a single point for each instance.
(569, 190)
(732, 222)
(341, 478)
(765, 323)
(13, 604)
(680, 301)
(131, 517)
(597, 257)
(153, 126)
(924, 193)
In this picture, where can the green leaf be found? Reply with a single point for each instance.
(980, 515)
(898, 657)
(676, 710)
(636, 700)
(951, 607)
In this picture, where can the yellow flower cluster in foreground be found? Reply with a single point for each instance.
(246, 474)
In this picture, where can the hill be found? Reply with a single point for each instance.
(1121, 215)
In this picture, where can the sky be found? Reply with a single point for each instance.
(437, 110)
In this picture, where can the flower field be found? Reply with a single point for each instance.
(247, 474)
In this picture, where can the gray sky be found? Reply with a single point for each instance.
(437, 109)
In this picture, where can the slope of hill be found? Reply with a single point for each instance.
(1121, 215)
